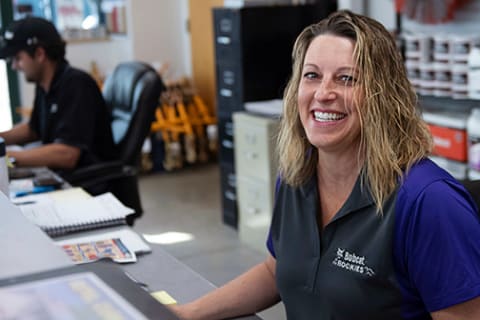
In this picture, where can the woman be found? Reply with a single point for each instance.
(364, 225)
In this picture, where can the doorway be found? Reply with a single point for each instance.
(5, 105)
(9, 97)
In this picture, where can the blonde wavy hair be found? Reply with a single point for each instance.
(393, 134)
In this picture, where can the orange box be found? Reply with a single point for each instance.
(450, 143)
(449, 131)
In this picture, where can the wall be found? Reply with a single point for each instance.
(381, 10)
(465, 21)
(203, 49)
(156, 33)
(160, 35)
(5, 114)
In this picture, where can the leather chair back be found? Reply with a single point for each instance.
(132, 93)
(473, 187)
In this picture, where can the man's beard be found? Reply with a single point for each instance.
(30, 78)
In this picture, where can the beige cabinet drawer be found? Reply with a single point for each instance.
(254, 236)
(255, 145)
(255, 211)
(256, 168)
(256, 198)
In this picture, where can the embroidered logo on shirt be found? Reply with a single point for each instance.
(352, 262)
(54, 108)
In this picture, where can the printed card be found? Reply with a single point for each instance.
(92, 251)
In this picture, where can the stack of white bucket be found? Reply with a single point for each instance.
(473, 130)
(473, 124)
(448, 65)
(437, 64)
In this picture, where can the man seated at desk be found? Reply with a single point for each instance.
(69, 115)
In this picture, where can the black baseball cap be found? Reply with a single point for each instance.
(27, 33)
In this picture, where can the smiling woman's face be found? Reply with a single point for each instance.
(325, 94)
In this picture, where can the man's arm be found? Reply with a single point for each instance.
(251, 292)
(469, 310)
(53, 155)
(19, 134)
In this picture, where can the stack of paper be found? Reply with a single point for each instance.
(65, 211)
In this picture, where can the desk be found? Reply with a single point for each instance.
(22, 178)
(161, 271)
(26, 249)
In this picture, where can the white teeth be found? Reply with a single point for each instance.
(327, 116)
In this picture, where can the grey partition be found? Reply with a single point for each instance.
(25, 248)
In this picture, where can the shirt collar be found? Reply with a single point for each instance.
(62, 66)
(359, 198)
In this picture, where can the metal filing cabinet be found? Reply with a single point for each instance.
(256, 170)
(253, 48)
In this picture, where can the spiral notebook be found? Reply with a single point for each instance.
(72, 210)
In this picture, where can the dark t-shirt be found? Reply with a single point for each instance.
(420, 256)
(74, 112)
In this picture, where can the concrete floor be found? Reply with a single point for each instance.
(188, 201)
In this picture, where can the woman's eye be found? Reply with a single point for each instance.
(310, 75)
(347, 79)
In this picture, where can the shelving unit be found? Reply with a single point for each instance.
(114, 16)
(447, 48)
(460, 105)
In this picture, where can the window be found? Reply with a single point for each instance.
(5, 113)
(77, 19)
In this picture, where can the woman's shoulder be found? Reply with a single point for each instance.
(423, 174)
(433, 187)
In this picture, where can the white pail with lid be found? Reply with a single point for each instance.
(473, 134)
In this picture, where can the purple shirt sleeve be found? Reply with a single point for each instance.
(437, 245)
(269, 237)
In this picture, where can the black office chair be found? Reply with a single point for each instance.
(132, 93)
(473, 187)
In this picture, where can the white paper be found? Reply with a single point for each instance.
(267, 107)
(71, 208)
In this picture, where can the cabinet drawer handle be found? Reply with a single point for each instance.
(227, 144)
(251, 138)
(229, 128)
(224, 40)
(226, 93)
(230, 195)
(253, 210)
(251, 155)
(232, 180)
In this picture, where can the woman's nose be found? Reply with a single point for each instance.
(325, 90)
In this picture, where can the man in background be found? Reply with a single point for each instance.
(69, 114)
